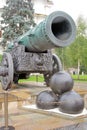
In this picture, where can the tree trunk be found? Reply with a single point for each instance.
(78, 69)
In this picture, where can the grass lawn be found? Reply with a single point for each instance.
(81, 78)
(40, 78)
(37, 78)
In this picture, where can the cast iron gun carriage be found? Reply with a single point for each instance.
(31, 52)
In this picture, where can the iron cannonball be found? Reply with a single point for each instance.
(46, 100)
(71, 103)
(61, 82)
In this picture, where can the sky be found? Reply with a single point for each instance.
(74, 8)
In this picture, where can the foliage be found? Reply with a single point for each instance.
(76, 51)
(0, 57)
(81, 26)
(18, 17)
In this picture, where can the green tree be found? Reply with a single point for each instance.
(65, 56)
(78, 49)
(18, 17)
(75, 54)
(80, 44)
(81, 26)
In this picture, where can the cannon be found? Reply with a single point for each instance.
(32, 52)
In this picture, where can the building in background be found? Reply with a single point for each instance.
(42, 9)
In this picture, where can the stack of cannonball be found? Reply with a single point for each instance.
(61, 95)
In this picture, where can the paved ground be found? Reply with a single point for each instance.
(27, 120)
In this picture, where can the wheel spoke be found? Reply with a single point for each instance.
(7, 62)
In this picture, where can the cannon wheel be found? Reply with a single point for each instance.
(7, 62)
(57, 66)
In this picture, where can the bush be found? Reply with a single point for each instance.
(0, 57)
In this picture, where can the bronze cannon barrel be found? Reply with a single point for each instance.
(57, 30)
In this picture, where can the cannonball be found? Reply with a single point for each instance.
(71, 103)
(46, 100)
(61, 82)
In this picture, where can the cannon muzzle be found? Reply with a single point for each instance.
(57, 30)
